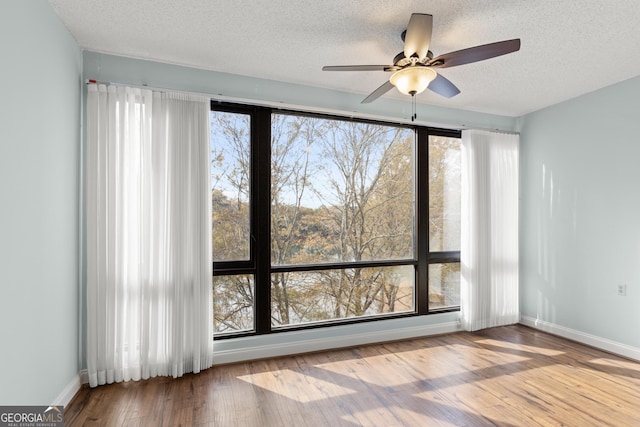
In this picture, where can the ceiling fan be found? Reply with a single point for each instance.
(414, 69)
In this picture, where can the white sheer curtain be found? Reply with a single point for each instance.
(148, 198)
(489, 248)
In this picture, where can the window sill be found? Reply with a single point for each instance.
(325, 338)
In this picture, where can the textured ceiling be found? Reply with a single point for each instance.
(568, 47)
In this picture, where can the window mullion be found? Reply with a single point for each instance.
(422, 197)
(261, 216)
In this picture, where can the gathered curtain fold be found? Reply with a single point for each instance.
(489, 250)
(148, 234)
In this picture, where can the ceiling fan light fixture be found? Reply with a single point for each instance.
(413, 80)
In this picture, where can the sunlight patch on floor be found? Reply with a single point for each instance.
(473, 358)
(296, 386)
(521, 347)
(468, 394)
(634, 366)
(361, 370)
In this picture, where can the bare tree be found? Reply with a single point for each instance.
(233, 296)
(363, 156)
(291, 165)
(230, 176)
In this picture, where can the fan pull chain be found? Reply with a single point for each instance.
(414, 116)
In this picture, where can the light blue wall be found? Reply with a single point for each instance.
(39, 156)
(580, 213)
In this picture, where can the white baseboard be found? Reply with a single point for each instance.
(64, 398)
(584, 338)
(302, 342)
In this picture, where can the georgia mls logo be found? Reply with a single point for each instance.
(56, 411)
(31, 416)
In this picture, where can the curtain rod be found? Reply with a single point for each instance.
(508, 132)
(285, 106)
(159, 89)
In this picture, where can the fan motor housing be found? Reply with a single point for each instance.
(400, 60)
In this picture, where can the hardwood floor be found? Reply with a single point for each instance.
(508, 376)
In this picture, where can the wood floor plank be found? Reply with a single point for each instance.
(507, 376)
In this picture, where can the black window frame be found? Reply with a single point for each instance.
(259, 263)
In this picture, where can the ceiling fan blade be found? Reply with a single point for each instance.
(444, 87)
(355, 67)
(475, 54)
(386, 87)
(418, 36)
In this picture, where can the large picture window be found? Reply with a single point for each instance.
(318, 220)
